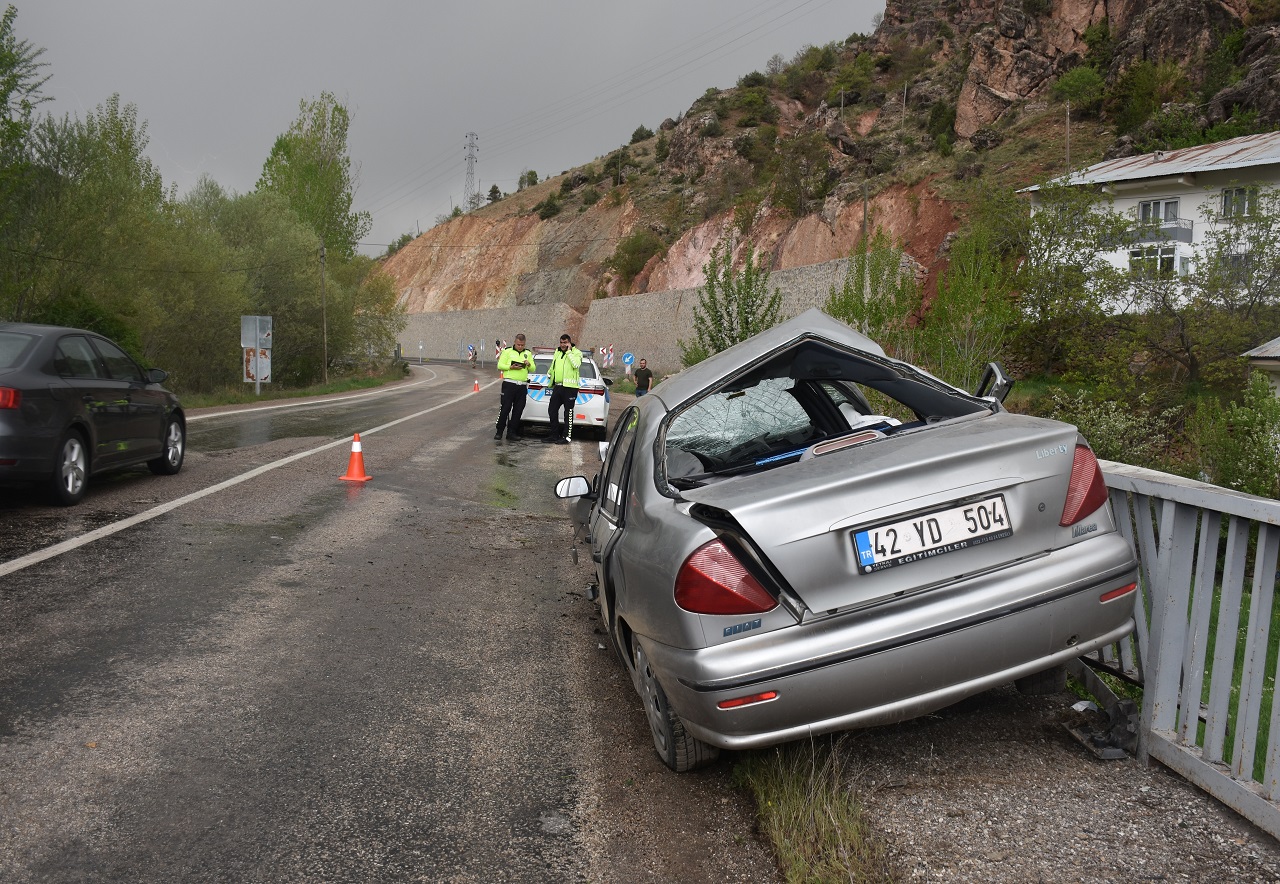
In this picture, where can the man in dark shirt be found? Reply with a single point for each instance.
(644, 378)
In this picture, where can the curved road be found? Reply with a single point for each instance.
(274, 675)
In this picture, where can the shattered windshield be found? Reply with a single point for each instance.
(797, 399)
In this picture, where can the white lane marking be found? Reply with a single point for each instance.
(369, 395)
(58, 549)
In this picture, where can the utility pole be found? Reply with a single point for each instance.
(1068, 136)
(324, 320)
(469, 189)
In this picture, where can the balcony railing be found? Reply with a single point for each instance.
(1178, 230)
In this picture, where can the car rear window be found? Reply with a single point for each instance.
(13, 348)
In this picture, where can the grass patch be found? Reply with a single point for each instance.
(243, 394)
(809, 812)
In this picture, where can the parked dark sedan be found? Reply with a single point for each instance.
(73, 404)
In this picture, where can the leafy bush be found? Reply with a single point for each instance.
(1262, 12)
(642, 133)
(590, 196)
(548, 208)
(1125, 431)
(1142, 89)
(942, 121)
(633, 252)
(753, 79)
(711, 129)
(662, 149)
(1239, 447)
(403, 240)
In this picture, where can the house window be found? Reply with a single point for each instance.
(1158, 211)
(1152, 262)
(1239, 267)
(1239, 201)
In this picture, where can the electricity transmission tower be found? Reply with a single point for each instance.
(469, 196)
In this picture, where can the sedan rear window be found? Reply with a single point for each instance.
(13, 348)
(778, 408)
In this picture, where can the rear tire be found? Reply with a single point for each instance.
(1050, 681)
(678, 749)
(175, 449)
(70, 470)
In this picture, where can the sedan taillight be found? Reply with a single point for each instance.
(10, 398)
(1086, 491)
(713, 581)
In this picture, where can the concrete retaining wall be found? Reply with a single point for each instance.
(649, 325)
(445, 335)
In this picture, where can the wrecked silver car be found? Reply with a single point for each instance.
(801, 535)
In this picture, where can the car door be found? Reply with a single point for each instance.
(608, 518)
(102, 400)
(144, 421)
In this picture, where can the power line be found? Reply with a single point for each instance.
(571, 110)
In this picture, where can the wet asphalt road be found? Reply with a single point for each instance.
(295, 678)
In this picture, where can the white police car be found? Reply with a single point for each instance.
(590, 412)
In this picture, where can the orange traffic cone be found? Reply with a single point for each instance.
(355, 466)
(475, 386)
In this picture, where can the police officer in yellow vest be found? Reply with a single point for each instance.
(514, 364)
(564, 379)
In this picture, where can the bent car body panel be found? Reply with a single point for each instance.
(899, 660)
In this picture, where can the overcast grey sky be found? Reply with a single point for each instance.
(545, 85)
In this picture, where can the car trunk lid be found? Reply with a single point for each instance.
(940, 494)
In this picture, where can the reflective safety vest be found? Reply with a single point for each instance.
(517, 373)
(564, 368)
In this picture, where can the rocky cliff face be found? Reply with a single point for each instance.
(994, 54)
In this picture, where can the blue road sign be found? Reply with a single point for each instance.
(627, 359)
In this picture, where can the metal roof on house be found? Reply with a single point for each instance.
(1269, 350)
(1234, 153)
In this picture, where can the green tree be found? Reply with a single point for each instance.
(879, 296)
(21, 182)
(732, 305)
(1064, 282)
(642, 133)
(971, 319)
(1083, 86)
(310, 167)
(1228, 301)
(801, 181)
(494, 193)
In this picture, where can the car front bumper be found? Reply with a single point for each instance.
(903, 659)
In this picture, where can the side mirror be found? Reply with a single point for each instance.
(608, 382)
(157, 376)
(574, 486)
(995, 383)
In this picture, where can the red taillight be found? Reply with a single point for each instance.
(712, 581)
(1086, 491)
(1117, 593)
(10, 398)
(747, 701)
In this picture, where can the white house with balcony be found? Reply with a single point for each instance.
(1174, 195)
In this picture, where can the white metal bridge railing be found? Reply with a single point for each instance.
(1205, 647)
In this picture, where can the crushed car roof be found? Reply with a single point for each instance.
(693, 381)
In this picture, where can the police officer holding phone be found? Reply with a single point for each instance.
(564, 378)
(514, 363)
